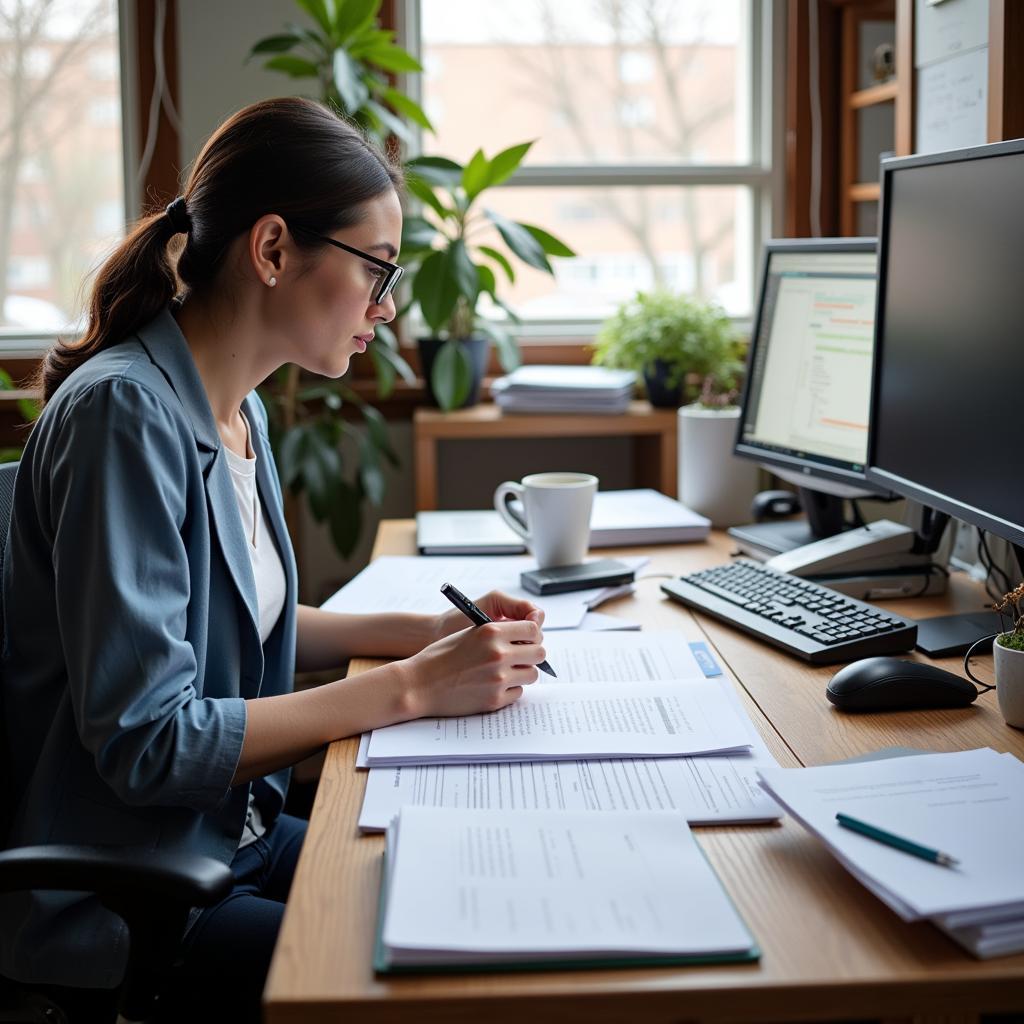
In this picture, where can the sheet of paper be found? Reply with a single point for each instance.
(413, 584)
(969, 804)
(712, 790)
(598, 622)
(480, 882)
(630, 657)
(555, 721)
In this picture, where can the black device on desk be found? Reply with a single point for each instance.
(560, 579)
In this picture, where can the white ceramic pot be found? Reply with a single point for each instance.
(1010, 684)
(712, 481)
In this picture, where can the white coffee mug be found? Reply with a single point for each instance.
(557, 507)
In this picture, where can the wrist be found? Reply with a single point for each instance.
(405, 692)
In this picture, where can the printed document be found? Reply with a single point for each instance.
(484, 887)
(410, 583)
(557, 721)
(969, 804)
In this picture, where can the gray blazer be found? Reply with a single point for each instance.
(131, 639)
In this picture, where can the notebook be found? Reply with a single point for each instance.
(480, 888)
(619, 519)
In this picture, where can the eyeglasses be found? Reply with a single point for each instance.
(393, 272)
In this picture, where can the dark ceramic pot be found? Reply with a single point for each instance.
(478, 349)
(660, 394)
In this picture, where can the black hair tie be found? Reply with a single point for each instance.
(178, 216)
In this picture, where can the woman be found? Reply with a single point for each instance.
(149, 590)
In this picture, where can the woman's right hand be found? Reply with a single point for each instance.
(481, 668)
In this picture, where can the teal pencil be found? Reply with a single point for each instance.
(898, 843)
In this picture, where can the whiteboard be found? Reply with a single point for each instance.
(952, 103)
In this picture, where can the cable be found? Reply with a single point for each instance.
(984, 687)
(997, 569)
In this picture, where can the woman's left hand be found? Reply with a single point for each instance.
(497, 605)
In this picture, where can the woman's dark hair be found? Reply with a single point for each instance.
(288, 156)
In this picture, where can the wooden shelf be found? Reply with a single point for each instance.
(883, 93)
(865, 192)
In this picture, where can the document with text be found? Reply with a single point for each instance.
(465, 887)
(968, 804)
(558, 721)
(408, 583)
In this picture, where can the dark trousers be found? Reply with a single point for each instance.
(226, 954)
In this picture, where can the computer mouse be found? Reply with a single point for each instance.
(889, 684)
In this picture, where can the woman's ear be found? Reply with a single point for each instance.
(269, 241)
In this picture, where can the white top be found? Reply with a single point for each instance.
(267, 570)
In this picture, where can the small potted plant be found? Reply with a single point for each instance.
(1009, 659)
(451, 253)
(675, 341)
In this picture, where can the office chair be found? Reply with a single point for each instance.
(152, 896)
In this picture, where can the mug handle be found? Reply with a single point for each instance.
(503, 495)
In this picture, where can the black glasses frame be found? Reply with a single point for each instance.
(394, 275)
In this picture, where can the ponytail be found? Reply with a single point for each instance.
(134, 284)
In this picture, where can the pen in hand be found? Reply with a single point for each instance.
(477, 616)
(906, 845)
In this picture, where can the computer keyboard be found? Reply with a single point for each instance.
(803, 618)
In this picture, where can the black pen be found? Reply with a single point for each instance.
(477, 616)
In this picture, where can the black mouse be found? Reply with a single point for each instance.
(889, 684)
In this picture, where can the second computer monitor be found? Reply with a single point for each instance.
(805, 407)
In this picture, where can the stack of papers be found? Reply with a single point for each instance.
(968, 804)
(704, 790)
(593, 389)
(470, 887)
(619, 519)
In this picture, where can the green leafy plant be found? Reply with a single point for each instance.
(1011, 606)
(349, 57)
(693, 340)
(28, 408)
(454, 254)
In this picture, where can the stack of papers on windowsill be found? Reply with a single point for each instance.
(619, 519)
(546, 889)
(587, 389)
(968, 804)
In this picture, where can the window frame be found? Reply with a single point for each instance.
(763, 174)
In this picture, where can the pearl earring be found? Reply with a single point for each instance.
(271, 282)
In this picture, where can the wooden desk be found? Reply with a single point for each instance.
(654, 432)
(831, 951)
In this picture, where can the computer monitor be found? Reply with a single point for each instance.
(949, 356)
(950, 349)
(808, 381)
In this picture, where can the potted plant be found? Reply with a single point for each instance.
(1009, 659)
(319, 453)
(673, 340)
(451, 252)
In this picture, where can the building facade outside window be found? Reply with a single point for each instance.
(61, 166)
(653, 153)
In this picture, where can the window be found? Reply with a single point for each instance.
(61, 142)
(651, 160)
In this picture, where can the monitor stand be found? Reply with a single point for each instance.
(824, 518)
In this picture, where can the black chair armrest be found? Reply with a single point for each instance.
(186, 879)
